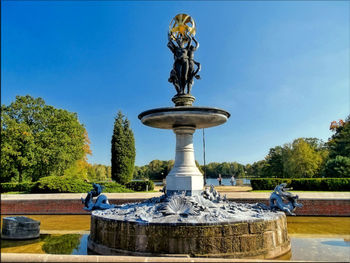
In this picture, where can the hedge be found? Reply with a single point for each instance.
(140, 185)
(113, 187)
(57, 184)
(307, 184)
(61, 184)
(16, 187)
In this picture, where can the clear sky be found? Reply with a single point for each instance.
(280, 68)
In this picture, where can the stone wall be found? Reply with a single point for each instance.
(257, 239)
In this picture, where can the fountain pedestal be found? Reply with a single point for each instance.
(185, 176)
(184, 120)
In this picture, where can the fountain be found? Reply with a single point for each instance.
(188, 219)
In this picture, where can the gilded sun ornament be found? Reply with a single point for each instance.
(181, 24)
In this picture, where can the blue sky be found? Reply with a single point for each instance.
(280, 68)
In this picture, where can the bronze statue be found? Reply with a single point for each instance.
(183, 72)
(282, 200)
(180, 68)
(191, 72)
(101, 202)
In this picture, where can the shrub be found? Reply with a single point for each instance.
(113, 187)
(140, 185)
(61, 184)
(307, 184)
(16, 187)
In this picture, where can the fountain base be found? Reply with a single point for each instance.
(195, 226)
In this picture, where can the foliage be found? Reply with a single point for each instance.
(256, 169)
(339, 143)
(304, 157)
(113, 187)
(302, 160)
(226, 169)
(338, 164)
(61, 184)
(307, 184)
(16, 187)
(338, 167)
(62, 244)
(157, 170)
(140, 185)
(123, 150)
(273, 166)
(99, 172)
(39, 140)
(17, 149)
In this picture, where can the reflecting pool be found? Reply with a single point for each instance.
(312, 238)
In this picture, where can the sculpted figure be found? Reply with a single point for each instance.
(192, 73)
(282, 200)
(101, 201)
(179, 73)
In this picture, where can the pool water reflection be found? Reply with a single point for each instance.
(312, 238)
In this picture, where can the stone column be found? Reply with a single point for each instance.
(185, 176)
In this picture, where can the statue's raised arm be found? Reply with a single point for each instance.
(189, 37)
(196, 42)
(171, 44)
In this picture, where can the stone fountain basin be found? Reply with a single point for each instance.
(264, 239)
(196, 117)
(190, 226)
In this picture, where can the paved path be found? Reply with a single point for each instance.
(12, 257)
(137, 196)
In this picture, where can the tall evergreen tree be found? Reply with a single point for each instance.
(123, 150)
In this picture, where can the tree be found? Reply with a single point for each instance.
(81, 167)
(283, 162)
(226, 169)
(302, 160)
(157, 170)
(338, 167)
(338, 164)
(17, 150)
(39, 140)
(339, 143)
(257, 168)
(99, 172)
(274, 163)
(123, 150)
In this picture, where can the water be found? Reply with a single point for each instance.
(312, 238)
(227, 181)
(326, 249)
(213, 181)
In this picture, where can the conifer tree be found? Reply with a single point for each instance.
(123, 150)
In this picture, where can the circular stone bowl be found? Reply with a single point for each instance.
(257, 238)
(171, 117)
(20, 227)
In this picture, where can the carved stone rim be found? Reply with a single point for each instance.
(184, 108)
(278, 215)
